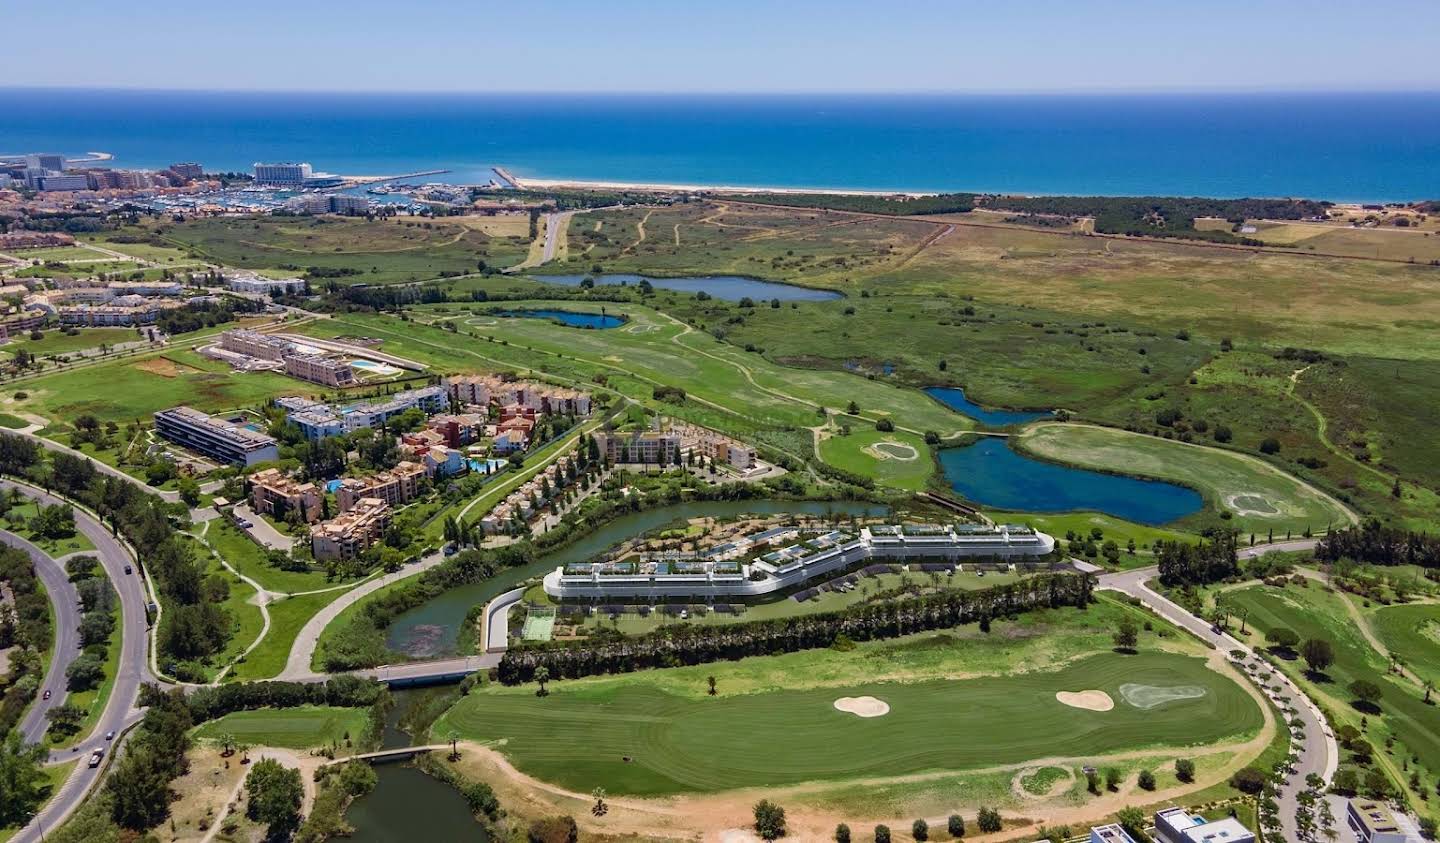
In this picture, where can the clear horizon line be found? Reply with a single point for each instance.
(929, 92)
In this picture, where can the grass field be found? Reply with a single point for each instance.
(134, 388)
(17, 520)
(374, 252)
(1260, 496)
(249, 559)
(289, 728)
(287, 617)
(580, 735)
(897, 459)
(1315, 613)
(1412, 632)
(59, 342)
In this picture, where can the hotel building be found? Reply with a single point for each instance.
(219, 439)
(318, 369)
(397, 486)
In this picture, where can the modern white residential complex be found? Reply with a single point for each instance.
(217, 438)
(1176, 825)
(737, 569)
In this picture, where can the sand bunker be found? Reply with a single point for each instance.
(891, 450)
(863, 706)
(1088, 700)
(1150, 696)
(1250, 503)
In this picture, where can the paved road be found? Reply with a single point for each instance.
(263, 531)
(1318, 753)
(134, 668)
(66, 648)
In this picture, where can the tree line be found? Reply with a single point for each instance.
(888, 204)
(26, 625)
(1377, 544)
(1182, 563)
(689, 645)
(1161, 216)
(193, 626)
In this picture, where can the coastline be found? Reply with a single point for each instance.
(525, 183)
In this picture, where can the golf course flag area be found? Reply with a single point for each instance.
(632, 737)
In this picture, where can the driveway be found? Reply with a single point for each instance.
(1318, 753)
(263, 531)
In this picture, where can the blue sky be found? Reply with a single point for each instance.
(724, 45)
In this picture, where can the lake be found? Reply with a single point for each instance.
(568, 317)
(429, 630)
(954, 398)
(727, 287)
(993, 474)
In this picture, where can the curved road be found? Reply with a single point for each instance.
(66, 602)
(120, 710)
(1318, 753)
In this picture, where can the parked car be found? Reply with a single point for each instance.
(95, 758)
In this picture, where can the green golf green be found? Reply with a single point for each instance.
(631, 737)
(291, 728)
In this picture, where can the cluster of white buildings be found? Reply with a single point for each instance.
(318, 420)
(260, 285)
(116, 303)
(328, 203)
(724, 571)
(1176, 825)
(249, 350)
(223, 440)
(50, 172)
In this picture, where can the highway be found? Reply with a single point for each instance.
(65, 600)
(120, 710)
(1318, 753)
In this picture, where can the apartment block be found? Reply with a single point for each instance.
(254, 344)
(274, 493)
(318, 369)
(217, 438)
(351, 533)
(649, 446)
(397, 486)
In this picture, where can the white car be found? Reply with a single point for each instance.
(95, 758)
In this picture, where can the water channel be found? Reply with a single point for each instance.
(727, 287)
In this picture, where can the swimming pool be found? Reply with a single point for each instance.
(372, 366)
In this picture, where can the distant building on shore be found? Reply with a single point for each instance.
(282, 173)
(187, 170)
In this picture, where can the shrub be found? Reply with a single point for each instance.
(882, 834)
(1146, 780)
(955, 825)
(842, 833)
(920, 830)
(769, 820)
(1185, 770)
(988, 820)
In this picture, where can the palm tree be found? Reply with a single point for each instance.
(542, 675)
(711, 681)
(453, 738)
(227, 744)
(599, 809)
(1429, 686)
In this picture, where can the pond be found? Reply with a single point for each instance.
(568, 317)
(993, 474)
(727, 287)
(403, 793)
(429, 631)
(954, 398)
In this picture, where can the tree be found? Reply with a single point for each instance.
(1223, 434)
(21, 775)
(1377, 784)
(1281, 638)
(599, 809)
(955, 824)
(1248, 780)
(1132, 819)
(275, 795)
(542, 675)
(1146, 780)
(1127, 635)
(769, 820)
(1185, 770)
(852, 408)
(1346, 782)
(882, 834)
(189, 491)
(842, 833)
(988, 820)
(1318, 654)
(920, 830)
(710, 680)
(1366, 692)
(554, 830)
(885, 425)
(85, 673)
(1270, 445)
(1112, 778)
(1092, 781)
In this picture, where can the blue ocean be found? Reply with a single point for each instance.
(1346, 147)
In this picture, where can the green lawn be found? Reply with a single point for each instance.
(303, 727)
(136, 387)
(1082, 523)
(17, 520)
(1314, 613)
(287, 616)
(12, 422)
(580, 736)
(58, 342)
(1412, 632)
(1261, 496)
(249, 559)
(897, 459)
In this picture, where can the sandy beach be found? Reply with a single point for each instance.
(660, 187)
